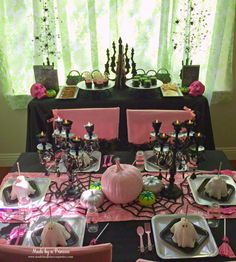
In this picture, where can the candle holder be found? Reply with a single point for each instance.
(177, 127)
(66, 125)
(76, 144)
(42, 138)
(58, 124)
(156, 126)
(171, 151)
(46, 156)
(91, 144)
(197, 148)
(91, 140)
(72, 190)
(189, 126)
(90, 129)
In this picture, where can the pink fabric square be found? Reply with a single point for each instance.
(139, 122)
(105, 120)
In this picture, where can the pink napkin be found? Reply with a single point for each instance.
(105, 120)
(139, 122)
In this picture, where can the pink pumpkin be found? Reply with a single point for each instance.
(122, 183)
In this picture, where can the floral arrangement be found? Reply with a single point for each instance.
(190, 29)
(46, 38)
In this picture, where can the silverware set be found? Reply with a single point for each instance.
(107, 160)
(140, 232)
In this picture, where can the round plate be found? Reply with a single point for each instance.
(82, 86)
(129, 84)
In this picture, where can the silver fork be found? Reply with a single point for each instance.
(147, 228)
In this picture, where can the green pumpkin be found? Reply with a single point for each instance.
(147, 198)
(96, 185)
(51, 93)
(184, 90)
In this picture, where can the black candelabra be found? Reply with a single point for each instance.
(68, 154)
(174, 151)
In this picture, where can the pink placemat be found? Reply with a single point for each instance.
(112, 212)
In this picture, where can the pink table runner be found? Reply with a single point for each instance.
(112, 212)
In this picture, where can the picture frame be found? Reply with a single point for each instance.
(47, 76)
(189, 74)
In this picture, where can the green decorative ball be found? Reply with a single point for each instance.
(51, 93)
(96, 185)
(147, 198)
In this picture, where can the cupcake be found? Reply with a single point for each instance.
(153, 80)
(136, 82)
(99, 83)
(88, 83)
(105, 80)
(143, 79)
(147, 83)
(136, 77)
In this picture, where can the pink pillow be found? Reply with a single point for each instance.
(196, 88)
(37, 90)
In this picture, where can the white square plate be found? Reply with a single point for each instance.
(42, 183)
(74, 92)
(78, 224)
(194, 184)
(166, 251)
(171, 93)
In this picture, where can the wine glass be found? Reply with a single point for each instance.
(24, 207)
(214, 212)
(92, 219)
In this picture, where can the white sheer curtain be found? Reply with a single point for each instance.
(85, 29)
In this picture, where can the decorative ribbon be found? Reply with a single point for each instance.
(190, 111)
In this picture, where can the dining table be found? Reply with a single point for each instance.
(122, 232)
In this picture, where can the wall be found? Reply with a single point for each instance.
(224, 117)
(12, 133)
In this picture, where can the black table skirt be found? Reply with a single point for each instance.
(40, 110)
(123, 234)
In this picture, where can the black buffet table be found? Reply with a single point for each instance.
(39, 111)
(123, 234)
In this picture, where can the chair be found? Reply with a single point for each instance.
(105, 120)
(101, 253)
(139, 122)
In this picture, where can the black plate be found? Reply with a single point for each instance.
(36, 235)
(201, 191)
(7, 193)
(166, 235)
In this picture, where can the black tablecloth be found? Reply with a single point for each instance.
(40, 110)
(123, 234)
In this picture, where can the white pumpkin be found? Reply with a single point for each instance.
(91, 197)
(152, 183)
